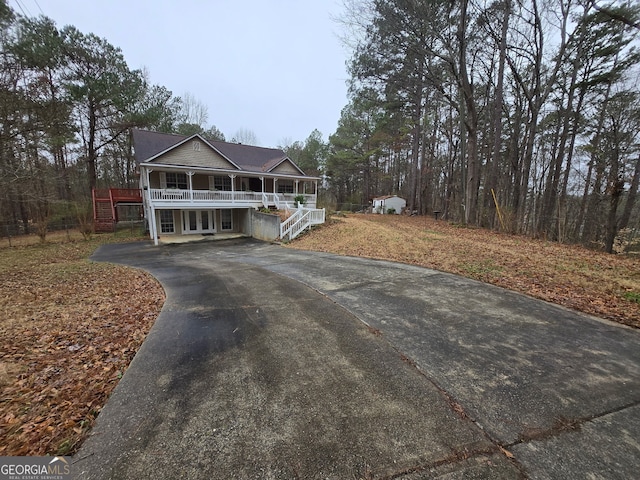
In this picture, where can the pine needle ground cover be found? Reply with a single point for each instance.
(600, 284)
(68, 330)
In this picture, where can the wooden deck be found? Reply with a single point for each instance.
(105, 201)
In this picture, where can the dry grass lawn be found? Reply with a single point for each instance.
(600, 284)
(68, 330)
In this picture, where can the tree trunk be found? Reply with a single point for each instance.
(472, 183)
(494, 157)
(417, 137)
(631, 197)
(592, 204)
(577, 228)
(91, 149)
(615, 190)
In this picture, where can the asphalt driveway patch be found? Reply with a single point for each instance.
(268, 362)
(249, 374)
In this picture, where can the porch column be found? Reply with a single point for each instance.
(233, 187)
(265, 200)
(150, 211)
(190, 175)
(153, 228)
(297, 186)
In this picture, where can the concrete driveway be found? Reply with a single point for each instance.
(268, 362)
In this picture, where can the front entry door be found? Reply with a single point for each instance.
(197, 221)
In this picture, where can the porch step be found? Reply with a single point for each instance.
(103, 209)
(103, 217)
(105, 226)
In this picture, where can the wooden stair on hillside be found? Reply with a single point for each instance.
(105, 201)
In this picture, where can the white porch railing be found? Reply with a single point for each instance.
(301, 219)
(171, 194)
(211, 197)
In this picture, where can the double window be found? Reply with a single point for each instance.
(226, 220)
(285, 186)
(220, 182)
(166, 221)
(174, 180)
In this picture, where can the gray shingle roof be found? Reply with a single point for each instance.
(254, 159)
(147, 144)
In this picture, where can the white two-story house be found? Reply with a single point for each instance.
(191, 185)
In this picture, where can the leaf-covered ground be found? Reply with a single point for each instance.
(70, 327)
(68, 330)
(600, 284)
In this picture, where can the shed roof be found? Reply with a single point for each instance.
(385, 197)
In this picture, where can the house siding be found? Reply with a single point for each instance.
(154, 179)
(200, 182)
(186, 155)
(287, 168)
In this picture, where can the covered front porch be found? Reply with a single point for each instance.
(166, 187)
(168, 197)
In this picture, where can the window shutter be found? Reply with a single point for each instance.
(212, 182)
(163, 180)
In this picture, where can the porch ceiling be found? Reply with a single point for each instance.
(212, 171)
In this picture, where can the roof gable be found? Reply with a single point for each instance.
(286, 166)
(193, 152)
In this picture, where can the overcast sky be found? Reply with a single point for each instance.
(275, 67)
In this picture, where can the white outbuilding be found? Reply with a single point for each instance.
(389, 204)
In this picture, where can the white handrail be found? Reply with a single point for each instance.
(285, 227)
(299, 226)
(294, 226)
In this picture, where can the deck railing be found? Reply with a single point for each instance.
(301, 219)
(279, 200)
(133, 195)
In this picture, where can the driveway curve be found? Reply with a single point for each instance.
(268, 362)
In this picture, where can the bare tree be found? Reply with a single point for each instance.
(245, 136)
(193, 111)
